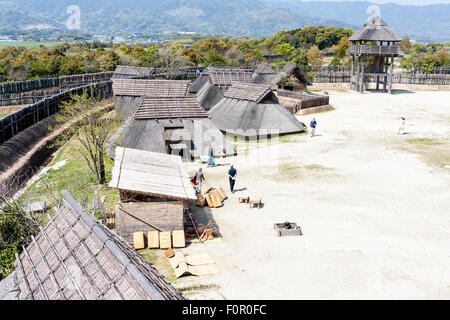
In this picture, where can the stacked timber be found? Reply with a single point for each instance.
(211, 196)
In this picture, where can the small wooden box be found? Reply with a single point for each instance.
(178, 239)
(138, 240)
(165, 240)
(153, 239)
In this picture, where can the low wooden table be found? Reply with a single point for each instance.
(244, 199)
(255, 202)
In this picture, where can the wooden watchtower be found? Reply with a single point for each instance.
(375, 39)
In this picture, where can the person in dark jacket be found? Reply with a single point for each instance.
(232, 173)
(313, 126)
(199, 178)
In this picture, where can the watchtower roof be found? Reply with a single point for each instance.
(375, 30)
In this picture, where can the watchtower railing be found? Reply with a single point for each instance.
(373, 50)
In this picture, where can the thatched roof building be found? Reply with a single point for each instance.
(74, 257)
(250, 110)
(375, 30)
(173, 125)
(214, 82)
(129, 93)
(150, 88)
(264, 74)
(130, 72)
(290, 77)
(151, 174)
(134, 217)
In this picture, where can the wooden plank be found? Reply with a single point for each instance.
(222, 193)
(165, 240)
(138, 240)
(216, 199)
(178, 239)
(209, 200)
(153, 239)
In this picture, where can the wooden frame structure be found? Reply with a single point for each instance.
(151, 174)
(375, 39)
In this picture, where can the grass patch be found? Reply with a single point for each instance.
(2, 115)
(316, 167)
(424, 141)
(434, 153)
(291, 171)
(160, 262)
(75, 177)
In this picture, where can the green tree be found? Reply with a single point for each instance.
(91, 125)
(314, 56)
(284, 49)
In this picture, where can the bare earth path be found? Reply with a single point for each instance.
(374, 207)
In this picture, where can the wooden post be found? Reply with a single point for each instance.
(351, 74)
(390, 74)
(362, 73)
(385, 72)
(357, 75)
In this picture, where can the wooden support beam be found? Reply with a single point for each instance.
(391, 74)
(357, 74)
(362, 73)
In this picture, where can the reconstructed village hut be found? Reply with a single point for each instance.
(375, 39)
(173, 125)
(264, 74)
(130, 72)
(128, 93)
(153, 190)
(214, 82)
(74, 257)
(250, 110)
(291, 78)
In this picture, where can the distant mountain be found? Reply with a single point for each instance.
(234, 17)
(421, 23)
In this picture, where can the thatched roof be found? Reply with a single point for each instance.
(249, 92)
(74, 257)
(130, 72)
(375, 30)
(169, 108)
(292, 69)
(228, 76)
(221, 77)
(264, 68)
(150, 88)
(251, 111)
(153, 135)
(151, 173)
(290, 74)
(209, 95)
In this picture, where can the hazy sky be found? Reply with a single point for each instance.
(405, 2)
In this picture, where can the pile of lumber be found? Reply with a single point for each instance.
(211, 196)
(159, 240)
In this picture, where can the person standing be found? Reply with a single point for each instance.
(232, 173)
(211, 156)
(199, 178)
(402, 126)
(313, 126)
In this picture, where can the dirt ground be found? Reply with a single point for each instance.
(374, 207)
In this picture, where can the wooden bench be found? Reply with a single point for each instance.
(244, 199)
(255, 202)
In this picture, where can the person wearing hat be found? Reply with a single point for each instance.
(232, 173)
(199, 177)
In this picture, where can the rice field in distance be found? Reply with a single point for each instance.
(27, 44)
